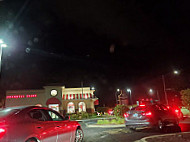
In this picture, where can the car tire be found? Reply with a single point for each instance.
(79, 135)
(177, 129)
(131, 128)
(160, 126)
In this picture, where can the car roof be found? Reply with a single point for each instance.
(22, 107)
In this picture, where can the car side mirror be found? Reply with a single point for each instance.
(67, 117)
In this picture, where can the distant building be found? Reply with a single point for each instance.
(59, 98)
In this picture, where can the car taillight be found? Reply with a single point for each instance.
(126, 115)
(176, 110)
(147, 113)
(2, 132)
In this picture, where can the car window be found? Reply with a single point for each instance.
(157, 107)
(138, 108)
(55, 116)
(38, 114)
(164, 107)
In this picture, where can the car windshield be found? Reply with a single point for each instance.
(138, 108)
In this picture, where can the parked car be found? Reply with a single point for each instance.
(153, 115)
(37, 124)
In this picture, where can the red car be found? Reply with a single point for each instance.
(37, 124)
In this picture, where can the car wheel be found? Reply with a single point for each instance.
(79, 135)
(32, 140)
(160, 125)
(131, 128)
(177, 129)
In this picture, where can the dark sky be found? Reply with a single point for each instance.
(106, 44)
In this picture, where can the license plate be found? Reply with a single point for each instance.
(135, 115)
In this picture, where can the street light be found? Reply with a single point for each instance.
(129, 90)
(150, 91)
(118, 90)
(93, 88)
(176, 72)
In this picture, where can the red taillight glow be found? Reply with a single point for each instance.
(2, 132)
(142, 105)
(168, 107)
(147, 113)
(176, 110)
(126, 115)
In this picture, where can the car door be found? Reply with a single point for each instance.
(62, 126)
(43, 126)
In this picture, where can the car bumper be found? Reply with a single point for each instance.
(137, 123)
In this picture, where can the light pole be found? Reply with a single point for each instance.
(129, 90)
(164, 85)
(116, 96)
(2, 45)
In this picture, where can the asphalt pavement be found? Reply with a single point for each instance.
(120, 133)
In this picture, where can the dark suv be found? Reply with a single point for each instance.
(153, 115)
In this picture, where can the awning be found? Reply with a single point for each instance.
(53, 100)
(96, 102)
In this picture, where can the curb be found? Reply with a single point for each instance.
(154, 136)
(81, 120)
(106, 126)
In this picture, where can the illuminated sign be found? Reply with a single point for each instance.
(21, 96)
(53, 92)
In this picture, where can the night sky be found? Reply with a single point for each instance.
(105, 44)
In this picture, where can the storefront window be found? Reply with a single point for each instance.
(71, 107)
(54, 107)
(82, 107)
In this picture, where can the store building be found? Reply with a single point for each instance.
(59, 98)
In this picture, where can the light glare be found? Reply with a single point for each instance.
(4, 45)
(1, 41)
(150, 90)
(176, 72)
(128, 90)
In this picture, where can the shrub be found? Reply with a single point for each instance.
(113, 121)
(119, 110)
(84, 115)
(100, 122)
(185, 96)
(74, 117)
(120, 121)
